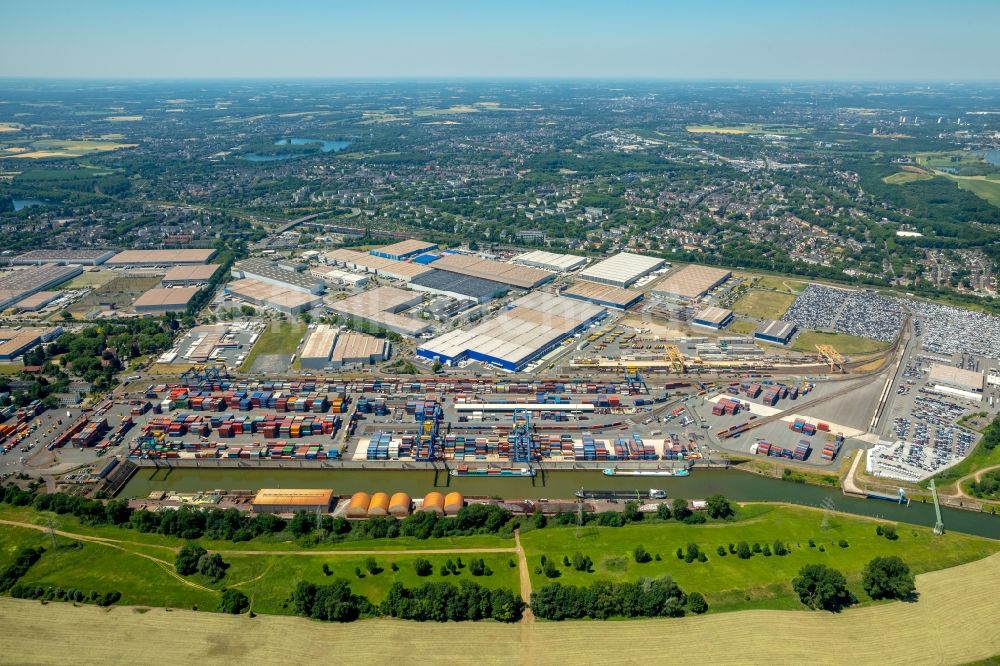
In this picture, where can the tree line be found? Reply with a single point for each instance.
(429, 602)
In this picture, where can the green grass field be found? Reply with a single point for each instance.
(11, 368)
(903, 177)
(781, 284)
(983, 187)
(763, 304)
(729, 582)
(806, 341)
(281, 337)
(742, 327)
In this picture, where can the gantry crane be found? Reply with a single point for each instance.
(831, 356)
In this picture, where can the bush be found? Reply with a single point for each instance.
(372, 567)
(186, 562)
(640, 555)
(721, 551)
(692, 552)
(582, 562)
(234, 602)
(696, 603)
(663, 511)
(680, 509)
(540, 520)
(732, 549)
(566, 562)
(743, 550)
(550, 569)
(695, 519)
(820, 586)
(888, 578)
(26, 558)
(477, 567)
(326, 570)
(889, 532)
(212, 566)
(422, 567)
(780, 548)
(680, 553)
(394, 566)
(842, 543)
(756, 547)
(812, 544)
(767, 550)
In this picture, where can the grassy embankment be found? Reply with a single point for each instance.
(806, 341)
(140, 566)
(763, 304)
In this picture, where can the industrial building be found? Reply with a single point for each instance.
(189, 275)
(533, 326)
(403, 250)
(18, 284)
(603, 294)
(777, 332)
(340, 277)
(81, 257)
(290, 500)
(279, 275)
(164, 299)
(550, 261)
(37, 301)
(161, 257)
(689, 283)
(379, 308)
(621, 270)
(282, 299)
(360, 261)
(713, 317)
(329, 347)
(958, 382)
(459, 287)
(16, 341)
(520, 277)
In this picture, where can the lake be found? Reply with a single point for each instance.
(25, 203)
(561, 484)
(324, 147)
(992, 156)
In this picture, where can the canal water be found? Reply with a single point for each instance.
(736, 485)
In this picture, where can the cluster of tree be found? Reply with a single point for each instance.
(192, 558)
(658, 597)
(332, 603)
(50, 593)
(443, 602)
(888, 578)
(25, 559)
(89, 511)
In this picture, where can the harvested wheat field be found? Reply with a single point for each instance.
(952, 623)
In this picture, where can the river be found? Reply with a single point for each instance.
(736, 485)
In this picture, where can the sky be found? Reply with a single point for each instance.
(612, 39)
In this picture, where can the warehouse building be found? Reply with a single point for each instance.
(403, 250)
(329, 347)
(380, 307)
(459, 287)
(360, 261)
(18, 284)
(190, 275)
(520, 277)
(550, 261)
(37, 301)
(621, 270)
(340, 277)
(713, 317)
(533, 326)
(776, 332)
(289, 301)
(603, 294)
(81, 257)
(161, 257)
(689, 283)
(958, 382)
(164, 299)
(16, 341)
(290, 500)
(279, 275)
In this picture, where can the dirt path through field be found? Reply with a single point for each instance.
(525, 576)
(978, 476)
(332, 553)
(168, 567)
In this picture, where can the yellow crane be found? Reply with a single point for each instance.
(673, 355)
